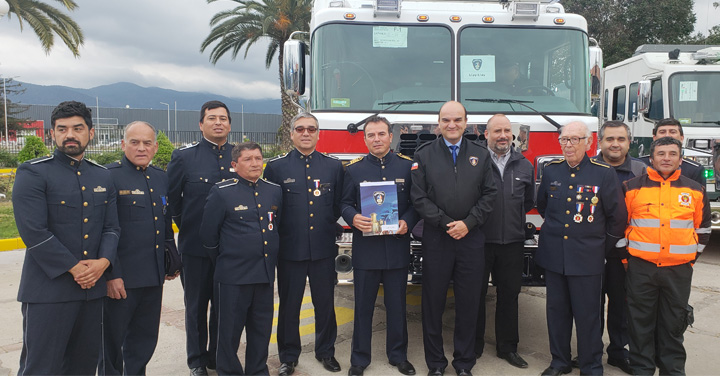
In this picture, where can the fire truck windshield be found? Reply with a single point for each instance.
(547, 67)
(694, 98)
(358, 67)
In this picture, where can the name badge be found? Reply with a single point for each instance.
(99, 189)
(138, 192)
(123, 192)
(289, 180)
(241, 207)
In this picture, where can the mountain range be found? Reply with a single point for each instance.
(123, 94)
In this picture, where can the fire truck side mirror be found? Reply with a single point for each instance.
(294, 67)
(643, 100)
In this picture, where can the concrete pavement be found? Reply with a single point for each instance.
(701, 341)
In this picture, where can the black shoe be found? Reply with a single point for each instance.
(574, 363)
(405, 367)
(514, 359)
(286, 368)
(198, 371)
(331, 364)
(439, 371)
(622, 363)
(355, 371)
(550, 371)
(464, 372)
(478, 355)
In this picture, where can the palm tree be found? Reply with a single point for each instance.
(251, 21)
(48, 21)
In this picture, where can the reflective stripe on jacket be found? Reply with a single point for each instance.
(668, 219)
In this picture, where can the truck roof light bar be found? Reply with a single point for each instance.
(388, 7)
(526, 10)
(708, 55)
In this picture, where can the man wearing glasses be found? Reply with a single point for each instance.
(583, 207)
(312, 186)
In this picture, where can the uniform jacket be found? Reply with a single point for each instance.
(240, 230)
(307, 228)
(386, 251)
(65, 211)
(192, 171)
(443, 193)
(145, 222)
(571, 248)
(516, 196)
(688, 168)
(669, 219)
(629, 169)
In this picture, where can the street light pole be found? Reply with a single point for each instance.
(168, 106)
(7, 135)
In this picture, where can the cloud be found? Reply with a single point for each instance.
(149, 43)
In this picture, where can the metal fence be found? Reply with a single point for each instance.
(108, 140)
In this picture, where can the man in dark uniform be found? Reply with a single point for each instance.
(614, 144)
(672, 128)
(131, 313)
(582, 204)
(239, 232)
(379, 259)
(505, 239)
(453, 191)
(311, 184)
(66, 214)
(192, 171)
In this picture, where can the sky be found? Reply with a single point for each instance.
(145, 42)
(157, 43)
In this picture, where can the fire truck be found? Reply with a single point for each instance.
(403, 59)
(678, 81)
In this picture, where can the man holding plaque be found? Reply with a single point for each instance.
(582, 204)
(382, 258)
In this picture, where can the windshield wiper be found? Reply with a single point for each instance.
(355, 127)
(522, 103)
(708, 122)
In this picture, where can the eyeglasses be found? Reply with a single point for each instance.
(310, 130)
(573, 140)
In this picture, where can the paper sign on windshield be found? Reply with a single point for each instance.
(477, 68)
(688, 91)
(390, 36)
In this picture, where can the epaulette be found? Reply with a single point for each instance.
(95, 163)
(269, 182)
(195, 143)
(330, 156)
(403, 156)
(691, 162)
(278, 157)
(598, 163)
(356, 160)
(44, 158)
(556, 161)
(227, 183)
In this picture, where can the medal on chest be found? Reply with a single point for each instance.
(271, 216)
(316, 192)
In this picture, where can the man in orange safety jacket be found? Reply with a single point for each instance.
(669, 225)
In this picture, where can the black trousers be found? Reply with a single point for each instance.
(578, 299)
(130, 331)
(197, 279)
(291, 279)
(61, 338)
(614, 290)
(446, 259)
(366, 283)
(657, 316)
(244, 307)
(505, 263)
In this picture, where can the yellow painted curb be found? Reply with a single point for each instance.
(11, 244)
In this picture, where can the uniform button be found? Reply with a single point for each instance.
(157, 246)
(85, 253)
(569, 199)
(137, 168)
(266, 255)
(266, 242)
(85, 203)
(567, 211)
(222, 168)
(85, 220)
(157, 232)
(259, 206)
(567, 225)
(151, 190)
(383, 167)
(62, 202)
(79, 173)
(147, 177)
(309, 190)
(308, 178)
(220, 156)
(383, 178)
(83, 188)
(154, 204)
(86, 236)
(310, 202)
(133, 202)
(156, 218)
(565, 237)
(572, 175)
(261, 218)
(570, 187)
(312, 228)
(256, 193)
(263, 230)
(307, 166)
(312, 215)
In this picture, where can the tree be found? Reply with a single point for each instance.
(48, 21)
(255, 20)
(164, 152)
(620, 26)
(13, 109)
(34, 147)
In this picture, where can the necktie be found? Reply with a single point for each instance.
(454, 149)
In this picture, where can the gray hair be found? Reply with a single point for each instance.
(588, 133)
(613, 124)
(127, 128)
(303, 115)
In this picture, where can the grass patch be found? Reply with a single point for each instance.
(8, 230)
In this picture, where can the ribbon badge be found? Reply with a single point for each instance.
(316, 192)
(271, 216)
(578, 217)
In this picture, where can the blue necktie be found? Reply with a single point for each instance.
(454, 149)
